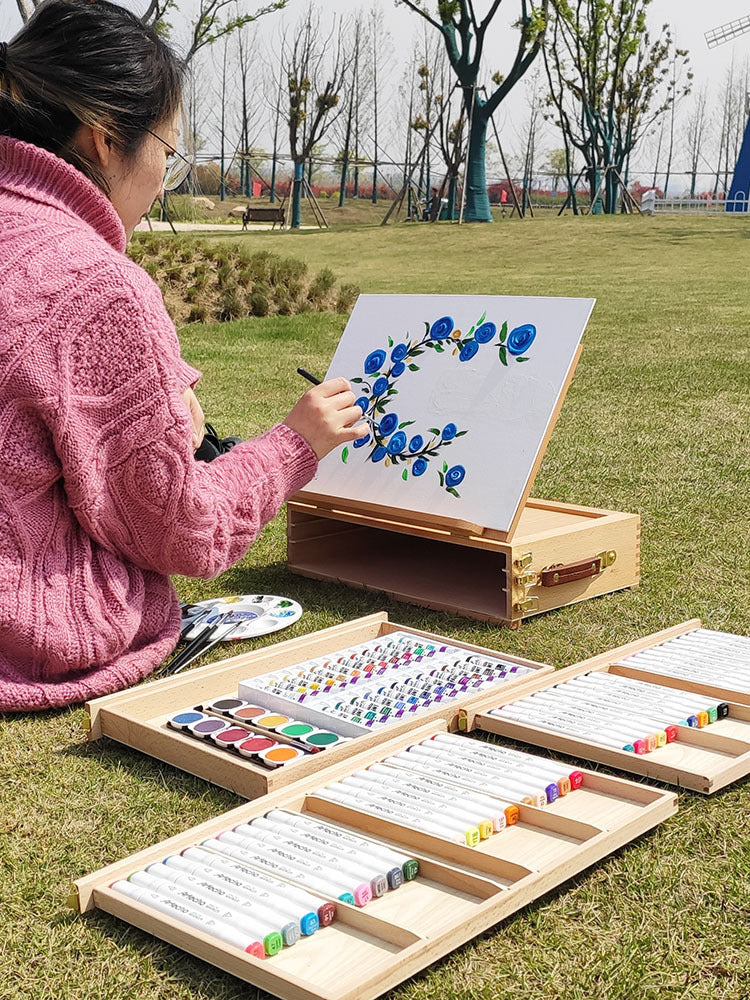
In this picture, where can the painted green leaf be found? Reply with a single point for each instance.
(434, 430)
(454, 492)
(482, 318)
(442, 478)
(356, 380)
(445, 466)
(413, 368)
(390, 342)
(461, 433)
(503, 332)
(344, 454)
(469, 334)
(406, 423)
(503, 356)
(439, 348)
(432, 453)
(522, 359)
(405, 475)
(415, 354)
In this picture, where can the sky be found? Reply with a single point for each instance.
(689, 20)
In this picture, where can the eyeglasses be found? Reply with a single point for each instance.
(177, 170)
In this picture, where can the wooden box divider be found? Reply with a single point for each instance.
(703, 760)
(137, 717)
(459, 893)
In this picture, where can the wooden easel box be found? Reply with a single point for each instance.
(459, 893)
(464, 568)
(703, 760)
(138, 717)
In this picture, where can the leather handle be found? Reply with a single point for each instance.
(555, 576)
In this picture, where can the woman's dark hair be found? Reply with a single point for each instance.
(86, 62)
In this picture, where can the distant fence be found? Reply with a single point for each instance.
(652, 205)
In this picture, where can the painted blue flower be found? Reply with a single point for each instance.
(485, 333)
(449, 432)
(397, 443)
(399, 352)
(416, 443)
(361, 441)
(374, 362)
(363, 403)
(398, 369)
(379, 454)
(419, 467)
(380, 385)
(441, 328)
(521, 339)
(455, 475)
(468, 351)
(388, 424)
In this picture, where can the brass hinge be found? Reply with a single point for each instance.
(607, 558)
(523, 561)
(526, 605)
(526, 579)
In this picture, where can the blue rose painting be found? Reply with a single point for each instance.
(383, 371)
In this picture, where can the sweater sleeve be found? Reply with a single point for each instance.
(123, 436)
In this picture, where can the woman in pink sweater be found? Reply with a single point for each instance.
(100, 495)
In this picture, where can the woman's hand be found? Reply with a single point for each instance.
(196, 415)
(327, 417)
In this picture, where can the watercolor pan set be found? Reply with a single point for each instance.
(409, 896)
(670, 706)
(139, 717)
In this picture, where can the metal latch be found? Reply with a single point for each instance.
(526, 605)
(607, 558)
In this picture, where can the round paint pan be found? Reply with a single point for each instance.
(295, 730)
(226, 706)
(272, 721)
(181, 720)
(248, 712)
(254, 745)
(228, 739)
(279, 755)
(321, 739)
(207, 728)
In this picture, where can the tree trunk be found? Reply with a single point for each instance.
(452, 197)
(299, 171)
(477, 207)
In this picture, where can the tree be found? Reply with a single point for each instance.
(697, 133)
(557, 166)
(314, 68)
(464, 35)
(608, 83)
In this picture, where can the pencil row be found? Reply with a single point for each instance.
(263, 885)
(718, 658)
(615, 711)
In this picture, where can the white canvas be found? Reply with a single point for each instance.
(462, 389)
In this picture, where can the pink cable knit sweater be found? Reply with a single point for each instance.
(100, 497)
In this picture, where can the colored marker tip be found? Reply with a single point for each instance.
(327, 914)
(671, 733)
(346, 897)
(256, 949)
(309, 923)
(411, 869)
(362, 894)
(576, 779)
(639, 746)
(472, 837)
(552, 792)
(273, 943)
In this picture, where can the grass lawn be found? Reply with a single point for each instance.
(656, 421)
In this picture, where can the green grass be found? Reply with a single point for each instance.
(656, 421)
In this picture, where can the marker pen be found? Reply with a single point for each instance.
(617, 704)
(296, 895)
(192, 916)
(262, 917)
(259, 857)
(698, 652)
(276, 903)
(483, 778)
(566, 709)
(567, 779)
(403, 865)
(346, 859)
(682, 710)
(301, 854)
(272, 940)
(674, 698)
(709, 669)
(437, 810)
(395, 811)
(488, 810)
(567, 725)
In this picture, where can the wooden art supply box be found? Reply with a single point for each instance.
(460, 891)
(553, 554)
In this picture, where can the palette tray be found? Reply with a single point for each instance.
(701, 759)
(138, 717)
(459, 892)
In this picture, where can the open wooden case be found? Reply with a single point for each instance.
(459, 893)
(138, 717)
(703, 760)
(552, 555)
